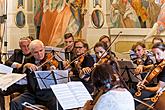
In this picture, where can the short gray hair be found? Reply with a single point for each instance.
(34, 43)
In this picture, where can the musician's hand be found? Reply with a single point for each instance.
(84, 73)
(70, 73)
(86, 70)
(18, 65)
(65, 63)
(88, 105)
(139, 69)
(31, 66)
(52, 67)
(141, 86)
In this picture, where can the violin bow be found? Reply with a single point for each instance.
(109, 47)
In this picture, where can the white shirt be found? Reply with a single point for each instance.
(116, 99)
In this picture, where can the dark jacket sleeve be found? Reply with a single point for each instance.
(16, 57)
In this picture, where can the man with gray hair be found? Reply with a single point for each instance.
(16, 61)
(35, 95)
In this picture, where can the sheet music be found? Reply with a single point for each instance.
(5, 69)
(80, 92)
(71, 95)
(7, 80)
(47, 78)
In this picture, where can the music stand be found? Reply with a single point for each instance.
(127, 71)
(47, 78)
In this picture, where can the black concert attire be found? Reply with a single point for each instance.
(34, 95)
(87, 62)
(69, 55)
(20, 86)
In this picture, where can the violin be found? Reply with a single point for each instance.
(104, 59)
(79, 62)
(49, 61)
(151, 75)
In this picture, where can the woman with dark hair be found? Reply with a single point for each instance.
(104, 56)
(159, 52)
(114, 97)
(100, 48)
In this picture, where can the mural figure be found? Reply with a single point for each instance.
(124, 14)
(159, 26)
(60, 17)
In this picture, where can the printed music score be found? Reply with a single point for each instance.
(5, 69)
(71, 95)
(7, 80)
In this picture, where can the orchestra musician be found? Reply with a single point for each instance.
(34, 94)
(107, 40)
(159, 71)
(112, 95)
(69, 42)
(16, 61)
(143, 57)
(82, 67)
(102, 55)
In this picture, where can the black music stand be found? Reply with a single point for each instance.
(47, 78)
(127, 71)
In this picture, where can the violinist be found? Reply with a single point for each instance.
(34, 95)
(143, 57)
(82, 67)
(113, 96)
(103, 56)
(147, 91)
(107, 40)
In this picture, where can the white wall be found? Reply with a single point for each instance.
(13, 32)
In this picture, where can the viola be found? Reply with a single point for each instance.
(151, 75)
